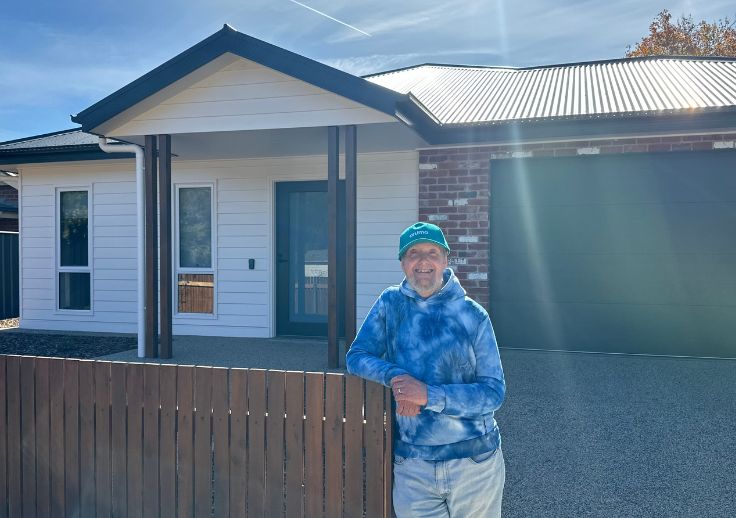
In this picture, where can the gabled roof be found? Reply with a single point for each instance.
(465, 95)
(59, 146)
(229, 40)
(70, 138)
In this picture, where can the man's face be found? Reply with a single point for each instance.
(423, 265)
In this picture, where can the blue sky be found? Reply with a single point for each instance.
(59, 57)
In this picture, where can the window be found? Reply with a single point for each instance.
(73, 270)
(195, 269)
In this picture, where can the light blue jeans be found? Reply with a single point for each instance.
(457, 488)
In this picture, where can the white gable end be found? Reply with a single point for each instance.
(241, 95)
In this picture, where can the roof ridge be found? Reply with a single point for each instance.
(556, 65)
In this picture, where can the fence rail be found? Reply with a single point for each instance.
(9, 268)
(96, 438)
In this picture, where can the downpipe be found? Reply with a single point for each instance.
(140, 229)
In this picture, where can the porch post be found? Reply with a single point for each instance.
(333, 156)
(151, 296)
(164, 192)
(351, 194)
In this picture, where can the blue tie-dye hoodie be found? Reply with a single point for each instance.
(446, 341)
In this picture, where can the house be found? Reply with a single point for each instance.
(589, 206)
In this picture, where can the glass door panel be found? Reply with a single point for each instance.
(301, 258)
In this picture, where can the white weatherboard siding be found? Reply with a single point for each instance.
(242, 95)
(112, 227)
(244, 201)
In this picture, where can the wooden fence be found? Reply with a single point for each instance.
(94, 438)
(9, 306)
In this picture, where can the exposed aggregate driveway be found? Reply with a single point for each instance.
(609, 436)
(13, 341)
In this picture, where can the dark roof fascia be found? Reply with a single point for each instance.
(583, 129)
(46, 155)
(420, 119)
(230, 40)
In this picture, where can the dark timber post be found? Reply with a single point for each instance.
(351, 194)
(151, 295)
(164, 193)
(333, 159)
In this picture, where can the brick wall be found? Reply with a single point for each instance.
(454, 189)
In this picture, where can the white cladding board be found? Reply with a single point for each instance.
(242, 95)
(244, 199)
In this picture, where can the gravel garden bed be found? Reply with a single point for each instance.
(62, 345)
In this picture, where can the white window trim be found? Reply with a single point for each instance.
(57, 251)
(205, 271)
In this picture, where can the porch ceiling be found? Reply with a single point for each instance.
(284, 142)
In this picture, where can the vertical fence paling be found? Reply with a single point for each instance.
(93, 438)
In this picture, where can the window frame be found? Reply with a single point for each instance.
(58, 268)
(176, 249)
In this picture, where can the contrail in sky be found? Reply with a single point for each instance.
(328, 16)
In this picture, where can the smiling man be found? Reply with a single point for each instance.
(436, 349)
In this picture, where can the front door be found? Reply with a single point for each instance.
(301, 258)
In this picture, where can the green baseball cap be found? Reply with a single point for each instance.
(421, 233)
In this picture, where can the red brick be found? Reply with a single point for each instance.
(687, 146)
(432, 203)
(437, 159)
(543, 153)
(446, 180)
(659, 147)
(702, 146)
(636, 148)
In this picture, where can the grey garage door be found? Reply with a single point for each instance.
(627, 253)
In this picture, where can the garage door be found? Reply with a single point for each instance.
(627, 253)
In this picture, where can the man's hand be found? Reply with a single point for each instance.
(407, 409)
(409, 390)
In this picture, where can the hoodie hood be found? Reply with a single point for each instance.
(450, 290)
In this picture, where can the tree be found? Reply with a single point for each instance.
(686, 38)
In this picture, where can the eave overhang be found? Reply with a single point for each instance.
(56, 154)
(697, 121)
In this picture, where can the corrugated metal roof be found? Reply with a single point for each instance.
(60, 139)
(625, 87)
